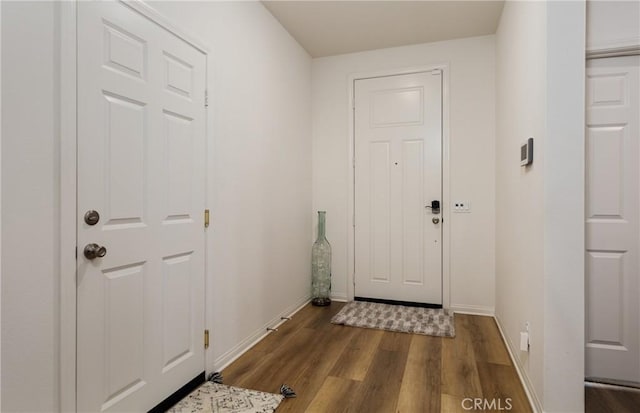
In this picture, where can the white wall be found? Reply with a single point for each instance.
(540, 233)
(259, 193)
(520, 114)
(30, 230)
(259, 249)
(612, 24)
(472, 155)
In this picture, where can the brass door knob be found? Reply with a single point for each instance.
(93, 251)
(435, 220)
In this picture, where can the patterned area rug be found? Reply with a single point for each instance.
(419, 320)
(219, 398)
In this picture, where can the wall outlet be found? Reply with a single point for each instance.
(524, 341)
(462, 206)
(524, 338)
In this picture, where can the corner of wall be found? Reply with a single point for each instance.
(564, 195)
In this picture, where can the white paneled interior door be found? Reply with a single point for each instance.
(398, 172)
(613, 225)
(141, 166)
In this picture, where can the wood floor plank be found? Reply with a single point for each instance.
(501, 387)
(335, 396)
(420, 389)
(487, 341)
(322, 315)
(394, 341)
(611, 400)
(381, 387)
(452, 404)
(355, 361)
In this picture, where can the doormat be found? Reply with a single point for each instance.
(418, 320)
(219, 398)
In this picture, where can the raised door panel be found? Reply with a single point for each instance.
(605, 298)
(178, 76)
(125, 160)
(124, 52)
(179, 167)
(413, 212)
(177, 310)
(380, 205)
(397, 107)
(607, 89)
(605, 179)
(124, 369)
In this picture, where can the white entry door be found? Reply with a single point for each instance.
(141, 167)
(398, 173)
(613, 226)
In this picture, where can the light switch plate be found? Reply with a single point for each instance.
(462, 206)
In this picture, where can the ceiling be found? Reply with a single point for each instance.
(326, 28)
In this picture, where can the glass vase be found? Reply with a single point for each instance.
(321, 266)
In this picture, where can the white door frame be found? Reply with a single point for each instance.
(68, 179)
(446, 232)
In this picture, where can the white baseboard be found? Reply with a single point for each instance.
(341, 297)
(535, 403)
(472, 309)
(245, 345)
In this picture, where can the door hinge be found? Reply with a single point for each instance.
(206, 218)
(206, 339)
(206, 98)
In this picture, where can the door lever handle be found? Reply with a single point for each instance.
(93, 251)
(435, 206)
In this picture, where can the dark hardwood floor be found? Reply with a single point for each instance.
(608, 399)
(345, 369)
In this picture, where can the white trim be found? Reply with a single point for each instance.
(609, 386)
(633, 50)
(473, 309)
(340, 297)
(68, 179)
(68, 198)
(0, 210)
(209, 202)
(613, 48)
(259, 334)
(534, 402)
(446, 230)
